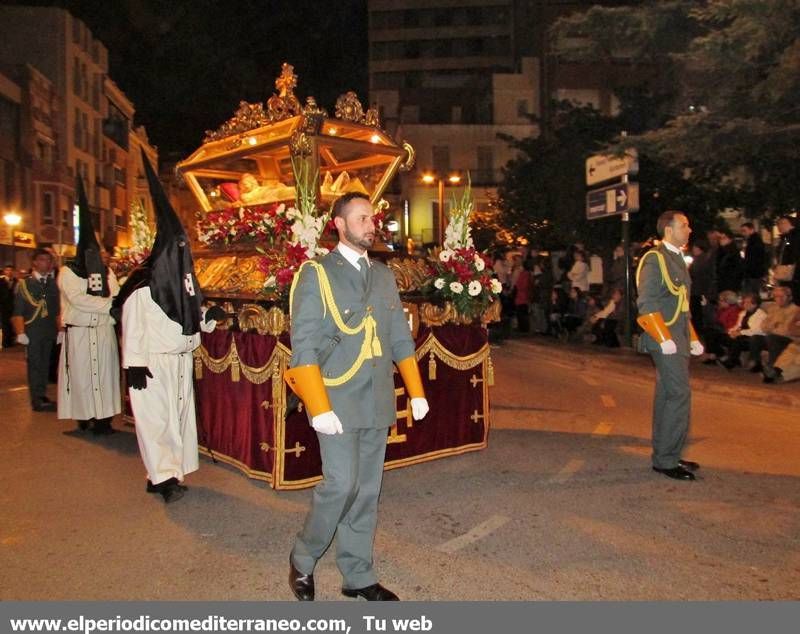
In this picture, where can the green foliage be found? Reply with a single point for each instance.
(726, 84)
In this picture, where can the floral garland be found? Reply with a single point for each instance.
(461, 274)
(128, 258)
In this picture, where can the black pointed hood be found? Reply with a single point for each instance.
(88, 262)
(169, 269)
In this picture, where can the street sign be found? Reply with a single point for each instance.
(612, 201)
(605, 167)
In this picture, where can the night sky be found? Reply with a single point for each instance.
(186, 64)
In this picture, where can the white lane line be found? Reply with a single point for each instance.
(608, 400)
(602, 429)
(590, 380)
(478, 532)
(569, 470)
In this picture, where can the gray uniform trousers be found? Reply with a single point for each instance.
(672, 404)
(345, 503)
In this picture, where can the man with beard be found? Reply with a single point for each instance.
(88, 369)
(664, 290)
(161, 323)
(349, 303)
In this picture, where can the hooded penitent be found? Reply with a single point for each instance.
(169, 269)
(88, 263)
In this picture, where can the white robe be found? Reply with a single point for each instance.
(88, 369)
(164, 411)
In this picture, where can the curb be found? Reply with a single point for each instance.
(627, 363)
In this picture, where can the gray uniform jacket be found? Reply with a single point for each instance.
(367, 400)
(39, 324)
(655, 297)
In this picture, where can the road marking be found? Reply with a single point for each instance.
(569, 470)
(608, 400)
(590, 380)
(603, 429)
(479, 532)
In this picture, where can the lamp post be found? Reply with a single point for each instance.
(429, 179)
(12, 220)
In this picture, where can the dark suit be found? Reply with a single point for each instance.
(673, 397)
(345, 503)
(38, 305)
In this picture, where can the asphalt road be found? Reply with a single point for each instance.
(563, 505)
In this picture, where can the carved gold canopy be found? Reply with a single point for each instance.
(347, 152)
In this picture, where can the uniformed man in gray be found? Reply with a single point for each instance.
(349, 303)
(664, 289)
(35, 320)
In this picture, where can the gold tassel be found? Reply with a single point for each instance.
(431, 367)
(377, 351)
(490, 372)
(198, 367)
(235, 368)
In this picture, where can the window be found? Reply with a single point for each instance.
(48, 208)
(485, 173)
(441, 159)
(77, 130)
(76, 77)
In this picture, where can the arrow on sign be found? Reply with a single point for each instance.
(622, 197)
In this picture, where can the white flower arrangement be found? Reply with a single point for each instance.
(474, 289)
(439, 283)
(456, 287)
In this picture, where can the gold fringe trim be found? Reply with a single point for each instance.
(433, 347)
(256, 375)
(432, 367)
(489, 371)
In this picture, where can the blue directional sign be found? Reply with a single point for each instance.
(612, 201)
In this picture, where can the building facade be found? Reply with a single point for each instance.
(453, 77)
(74, 120)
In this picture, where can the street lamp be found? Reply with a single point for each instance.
(429, 179)
(12, 219)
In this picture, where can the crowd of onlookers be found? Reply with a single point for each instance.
(744, 297)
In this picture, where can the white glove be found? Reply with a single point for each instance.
(23, 339)
(668, 347)
(696, 348)
(327, 423)
(208, 326)
(419, 408)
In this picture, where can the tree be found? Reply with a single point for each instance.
(543, 192)
(728, 85)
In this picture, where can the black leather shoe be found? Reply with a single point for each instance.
(302, 585)
(171, 493)
(375, 592)
(156, 488)
(689, 465)
(83, 425)
(676, 473)
(44, 406)
(102, 427)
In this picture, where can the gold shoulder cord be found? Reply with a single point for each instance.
(677, 291)
(371, 346)
(40, 305)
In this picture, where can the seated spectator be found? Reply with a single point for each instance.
(576, 311)
(605, 321)
(749, 324)
(715, 336)
(780, 330)
(555, 310)
(787, 366)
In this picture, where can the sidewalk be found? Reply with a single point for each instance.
(738, 384)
